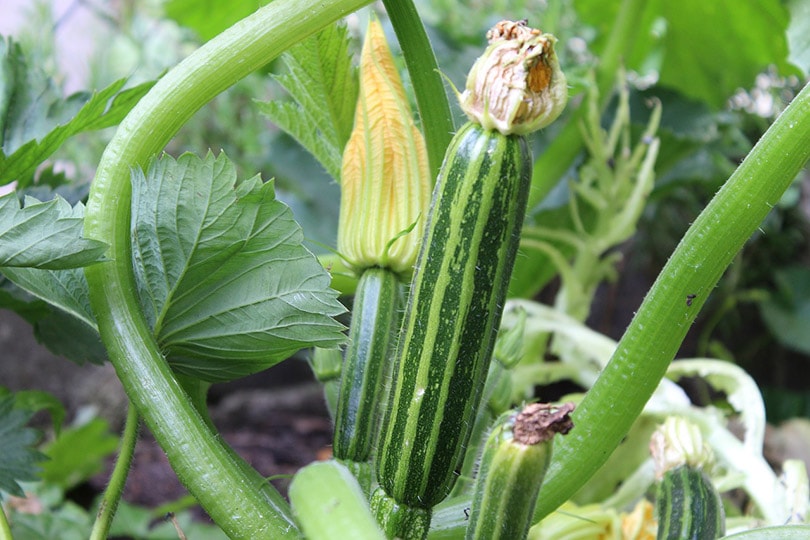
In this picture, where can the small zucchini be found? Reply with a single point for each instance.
(688, 506)
(374, 315)
(513, 465)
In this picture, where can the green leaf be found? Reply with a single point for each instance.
(798, 34)
(787, 315)
(67, 521)
(705, 50)
(37, 400)
(35, 119)
(223, 276)
(19, 461)
(209, 18)
(63, 289)
(78, 453)
(67, 326)
(70, 337)
(714, 48)
(44, 235)
(323, 85)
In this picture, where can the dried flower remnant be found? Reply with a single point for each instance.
(516, 86)
(539, 422)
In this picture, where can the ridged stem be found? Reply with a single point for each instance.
(202, 462)
(648, 346)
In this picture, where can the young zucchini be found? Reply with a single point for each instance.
(374, 314)
(513, 465)
(688, 506)
(453, 312)
(460, 282)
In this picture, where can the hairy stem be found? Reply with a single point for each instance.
(648, 346)
(201, 462)
(112, 495)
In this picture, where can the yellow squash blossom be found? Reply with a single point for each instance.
(385, 185)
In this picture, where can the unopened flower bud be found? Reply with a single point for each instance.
(385, 182)
(517, 85)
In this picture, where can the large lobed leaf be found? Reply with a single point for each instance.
(223, 276)
(323, 85)
(35, 119)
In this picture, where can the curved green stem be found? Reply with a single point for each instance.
(431, 97)
(656, 332)
(115, 488)
(202, 462)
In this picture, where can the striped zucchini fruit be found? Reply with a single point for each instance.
(688, 506)
(374, 315)
(453, 313)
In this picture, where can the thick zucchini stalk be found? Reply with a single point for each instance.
(357, 418)
(459, 285)
(515, 459)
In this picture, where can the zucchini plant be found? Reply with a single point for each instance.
(192, 276)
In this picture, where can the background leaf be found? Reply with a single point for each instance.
(44, 235)
(787, 313)
(323, 85)
(19, 462)
(798, 34)
(37, 400)
(35, 119)
(78, 453)
(224, 278)
(714, 48)
(705, 50)
(210, 17)
(66, 325)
